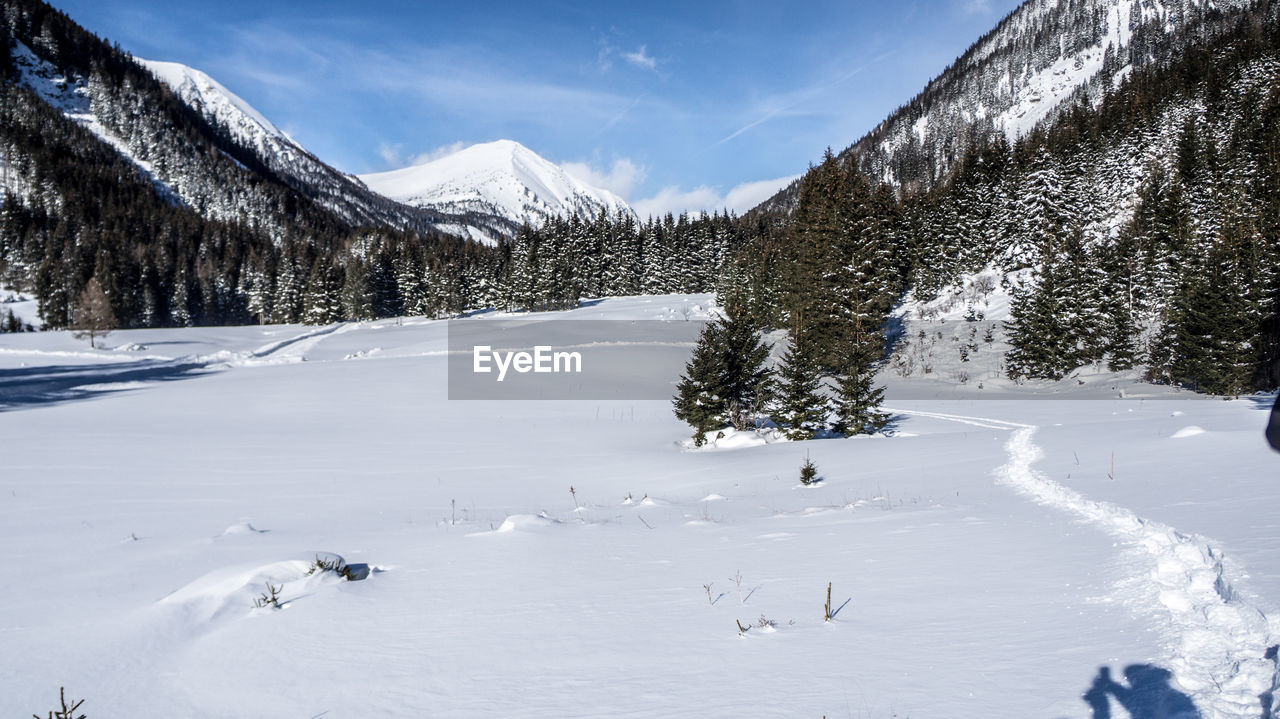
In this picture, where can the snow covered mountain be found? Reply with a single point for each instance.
(208, 97)
(1043, 57)
(482, 192)
(503, 180)
(337, 191)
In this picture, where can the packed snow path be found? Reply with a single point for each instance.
(1221, 649)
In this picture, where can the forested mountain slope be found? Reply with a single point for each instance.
(1141, 229)
(341, 194)
(109, 174)
(1043, 57)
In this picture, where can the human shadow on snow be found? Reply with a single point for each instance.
(1263, 402)
(1147, 695)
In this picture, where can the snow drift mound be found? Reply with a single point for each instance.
(241, 589)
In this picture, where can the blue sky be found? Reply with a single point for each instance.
(673, 105)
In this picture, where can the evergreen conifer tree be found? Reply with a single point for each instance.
(858, 399)
(697, 402)
(799, 405)
(727, 380)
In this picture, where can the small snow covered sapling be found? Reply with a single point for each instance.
(808, 471)
(67, 712)
(269, 598)
(826, 609)
(335, 565)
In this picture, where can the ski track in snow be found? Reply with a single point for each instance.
(295, 347)
(1222, 653)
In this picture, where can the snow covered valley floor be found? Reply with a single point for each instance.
(991, 558)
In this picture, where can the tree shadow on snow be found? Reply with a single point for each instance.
(895, 331)
(892, 424)
(1147, 694)
(24, 387)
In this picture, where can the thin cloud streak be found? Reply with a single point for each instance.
(790, 101)
(617, 118)
(453, 79)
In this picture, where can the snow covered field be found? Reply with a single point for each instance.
(987, 559)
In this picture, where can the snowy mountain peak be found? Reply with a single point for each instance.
(216, 102)
(502, 179)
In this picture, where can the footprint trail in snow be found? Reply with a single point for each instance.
(1223, 653)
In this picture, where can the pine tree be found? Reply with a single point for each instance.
(697, 402)
(1119, 331)
(357, 299)
(858, 399)
(1044, 212)
(323, 303)
(1048, 321)
(808, 471)
(1217, 317)
(799, 406)
(180, 305)
(286, 305)
(726, 382)
(816, 254)
(745, 376)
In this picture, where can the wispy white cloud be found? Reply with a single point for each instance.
(465, 87)
(976, 7)
(604, 61)
(675, 200)
(621, 178)
(739, 198)
(461, 80)
(395, 155)
(275, 81)
(747, 195)
(442, 151)
(641, 58)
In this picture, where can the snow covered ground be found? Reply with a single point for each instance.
(23, 305)
(988, 558)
